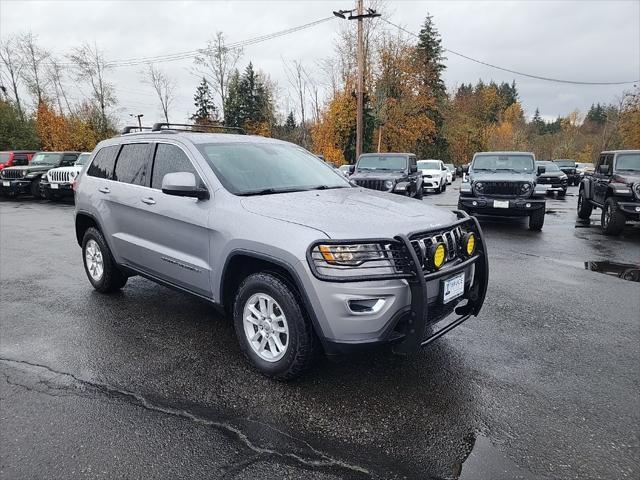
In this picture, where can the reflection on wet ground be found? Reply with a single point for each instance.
(486, 461)
(625, 271)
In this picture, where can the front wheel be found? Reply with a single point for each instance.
(35, 189)
(563, 193)
(612, 220)
(584, 207)
(419, 193)
(272, 327)
(536, 220)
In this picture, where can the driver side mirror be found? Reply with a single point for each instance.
(541, 169)
(183, 184)
(352, 168)
(413, 168)
(604, 169)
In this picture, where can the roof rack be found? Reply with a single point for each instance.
(203, 128)
(134, 128)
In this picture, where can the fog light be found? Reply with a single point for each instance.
(474, 203)
(437, 255)
(469, 242)
(528, 205)
(637, 209)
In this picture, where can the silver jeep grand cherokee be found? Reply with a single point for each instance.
(301, 259)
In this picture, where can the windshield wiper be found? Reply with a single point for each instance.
(326, 187)
(270, 191)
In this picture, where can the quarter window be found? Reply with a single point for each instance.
(103, 162)
(169, 159)
(131, 166)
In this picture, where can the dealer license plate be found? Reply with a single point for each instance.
(452, 288)
(54, 186)
(501, 204)
(6, 184)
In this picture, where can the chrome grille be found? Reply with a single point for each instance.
(372, 184)
(10, 173)
(58, 176)
(451, 238)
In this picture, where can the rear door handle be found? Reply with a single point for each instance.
(149, 201)
(104, 190)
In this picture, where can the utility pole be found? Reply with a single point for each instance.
(359, 16)
(139, 117)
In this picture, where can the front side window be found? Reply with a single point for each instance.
(83, 158)
(263, 168)
(169, 159)
(69, 159)
(515, 163)
(131, 166)
(103, 163)
(628, 161)
(46, 159)
(550, 167)
(382, 162)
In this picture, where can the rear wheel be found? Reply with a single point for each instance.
(99, 265)
(584, 207)
(444, 187)
(272, 327)
(536, 220)
(419, 193)
(612, 219)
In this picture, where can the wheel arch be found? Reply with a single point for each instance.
(83, 222)
(242, 263)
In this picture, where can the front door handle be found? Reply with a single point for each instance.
(104, 190)
(149, 201)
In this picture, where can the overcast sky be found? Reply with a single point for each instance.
(597, 41)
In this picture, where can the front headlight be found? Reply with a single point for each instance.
(31, 175)
(478, 187)
(525, 188)
(351, 255)
(563, 176)
(388, 184)
(401, 187)
(636, 190)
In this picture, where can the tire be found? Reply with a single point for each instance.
(300, 342)
(612, 219)
(536, 220)
(35, 189)
(419, 194)
(584, 207)
(112, 278)
(444, 187)
(563, 193)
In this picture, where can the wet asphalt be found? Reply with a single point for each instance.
(150, 383)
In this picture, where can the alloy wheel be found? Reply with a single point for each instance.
(265, 326)
(94, 260)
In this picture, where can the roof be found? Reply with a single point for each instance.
(504, 153)
(198, 137)
(399, 154)
(620, 151)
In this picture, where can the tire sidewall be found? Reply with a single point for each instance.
(281, 293)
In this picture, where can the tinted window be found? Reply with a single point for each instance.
(69, 159)
(381, 162)
(169, 159)
(102, 165)
(131, 166)
(20, 159)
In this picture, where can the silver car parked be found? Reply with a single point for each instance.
(302, 260)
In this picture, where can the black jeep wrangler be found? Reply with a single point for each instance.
(614, 187)
(570, 169)
(388, 172)
(27, 179)
(504, 184)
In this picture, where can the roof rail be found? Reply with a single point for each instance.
(203, 128)
(134, 128)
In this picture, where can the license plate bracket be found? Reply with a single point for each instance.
(54, 186)
(6, 184)
(452, 287)
(501, 204)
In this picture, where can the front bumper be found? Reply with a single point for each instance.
(64, 189)
(630, 209)
(15, 187)
(518, 207)
(430, 183)
(412, 302)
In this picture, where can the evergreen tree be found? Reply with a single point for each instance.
(249, 100)
(290, 123)
(206, 111)
(597, 114)
(508, 93)
(538, 123)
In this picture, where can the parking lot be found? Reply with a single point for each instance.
(151, 382)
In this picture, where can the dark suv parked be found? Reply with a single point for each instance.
(554, 178)
(615, 188)
(504, 184)
(26, 179)
(569, 168)
(389, 172)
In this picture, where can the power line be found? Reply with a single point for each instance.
(538, 77)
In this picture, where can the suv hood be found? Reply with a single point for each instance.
(502, 177)
(31, 168)
(351, 213)
(377, 175)
(626, 177)
(552, 174)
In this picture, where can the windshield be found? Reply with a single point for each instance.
(516, 163)
(565, 163)
(550, 167)
(82, 159)
(382, 162)
(628, 161)
(262, 168)
(585, 165)
(450, 166)
(428, 165)
(46, 159)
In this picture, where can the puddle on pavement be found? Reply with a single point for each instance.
(625, 271)
(586, 223)
(486, 461)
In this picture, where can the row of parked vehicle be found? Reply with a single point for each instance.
(41, 174)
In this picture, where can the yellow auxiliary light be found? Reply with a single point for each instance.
(469, 244)
(438, 255)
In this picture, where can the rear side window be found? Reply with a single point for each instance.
(103, 162)
(169, 159)
(131, 166)
(20, 159)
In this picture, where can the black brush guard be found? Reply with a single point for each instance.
(414, 338)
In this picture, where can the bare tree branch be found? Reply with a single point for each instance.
(164, 87)
(34, 58)
(12, 62)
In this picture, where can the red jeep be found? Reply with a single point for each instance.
(15, 158)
